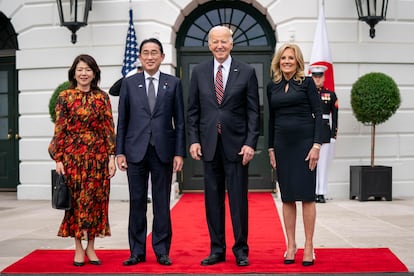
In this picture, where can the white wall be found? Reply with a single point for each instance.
(46, 53)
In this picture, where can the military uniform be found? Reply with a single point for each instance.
(329, 103)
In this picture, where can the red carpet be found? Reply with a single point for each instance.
(190, 245)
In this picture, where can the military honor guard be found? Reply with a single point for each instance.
(329, 103)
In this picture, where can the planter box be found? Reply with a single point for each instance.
(367, 181)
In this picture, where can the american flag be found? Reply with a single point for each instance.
(131, 48)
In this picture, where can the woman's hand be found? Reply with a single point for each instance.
(313, 156)
(59, 168)
(111, 166)
(272, 158)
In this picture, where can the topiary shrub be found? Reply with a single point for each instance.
(53, 99)
(375, 97)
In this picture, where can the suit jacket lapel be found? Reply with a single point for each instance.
(211, 80)
(233, 74)
(142, 91)
(162, 89)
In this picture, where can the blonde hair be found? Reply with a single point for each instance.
(275, 71)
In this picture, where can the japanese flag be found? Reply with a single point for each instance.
(321, 53)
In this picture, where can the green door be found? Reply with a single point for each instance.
(9, 164)
(260, 173)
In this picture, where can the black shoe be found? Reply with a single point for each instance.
(308, 263)
(78, 263)
(317, 198)
(242, 261)
(213, 259)
(95, 262)
(321, 199)
(289, 261)
(164, 260)
(133, 260)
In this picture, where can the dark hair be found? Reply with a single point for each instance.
(90, 61)
(151, 40)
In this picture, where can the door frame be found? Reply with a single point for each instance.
(261, 175)
(9, 142)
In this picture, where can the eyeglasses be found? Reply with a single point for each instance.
(146, 54)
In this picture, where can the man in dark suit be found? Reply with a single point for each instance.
(150, 139)
(223, 128)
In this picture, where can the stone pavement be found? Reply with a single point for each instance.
(27, 225)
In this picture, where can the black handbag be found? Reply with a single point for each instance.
(61, 194)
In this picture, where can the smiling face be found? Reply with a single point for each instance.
(288, 63)
(83, 76)
(151, 57)
(220, 43)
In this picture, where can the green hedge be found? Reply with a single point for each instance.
(53, 99)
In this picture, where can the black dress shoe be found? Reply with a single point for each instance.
(133, 260)
(242, 261)
(164, 260)
(321, 199)
(78, 263)
(213, 259)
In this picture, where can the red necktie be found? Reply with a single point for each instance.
(218, 84)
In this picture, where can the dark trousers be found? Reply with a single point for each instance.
(161, 176)
(217, 173)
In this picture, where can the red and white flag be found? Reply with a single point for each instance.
(321, 53)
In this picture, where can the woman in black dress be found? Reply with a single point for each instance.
(295, 121)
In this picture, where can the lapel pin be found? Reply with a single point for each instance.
(165, 86)
(236, 70)
(140, 86)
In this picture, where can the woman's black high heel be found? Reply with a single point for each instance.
(289, 261)
(93, 262)
(309, 263)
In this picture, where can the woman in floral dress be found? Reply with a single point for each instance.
(83, 147)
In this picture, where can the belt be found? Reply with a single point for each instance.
(326, 116)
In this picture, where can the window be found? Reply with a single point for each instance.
(8, 37)
(240, 17)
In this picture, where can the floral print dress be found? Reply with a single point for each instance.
(83, 140)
